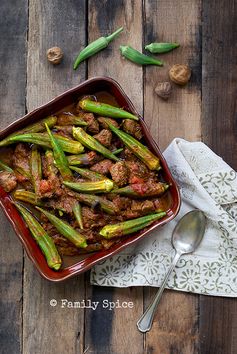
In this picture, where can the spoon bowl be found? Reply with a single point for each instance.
(189, 232)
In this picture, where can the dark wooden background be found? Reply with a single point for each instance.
(205, 109)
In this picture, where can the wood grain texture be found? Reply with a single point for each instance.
(117, 331)
(12, 105)
(218, 316)
(175, 329)
(49, 329)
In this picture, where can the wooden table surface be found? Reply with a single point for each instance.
(204, 109)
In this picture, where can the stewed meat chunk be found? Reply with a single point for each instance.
(133, 128)
(120, 173)
(8, 181)
(104, 137)
(102, 167)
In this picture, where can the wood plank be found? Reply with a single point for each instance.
(56, 23)
(218, 321)
(175, 329)
(105, 331)
(12, 105)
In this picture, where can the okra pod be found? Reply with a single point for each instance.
(92, 247)
(27, 197)
(42, 139)
(36, 169)
(22, 171)
(44, 241)
(95, 47)
(33, 128)
(141, 190)
(105, 110)
(78, 215)
(81, 159)
(91, 175)
(130, 226)
(104, 186)
(51, 169)
(92, 200)
(65, 229)
(141, 151)
(117, 151)
(60, 159)
(91, 143)
(161, 47)
(138, 58)
(4, 167)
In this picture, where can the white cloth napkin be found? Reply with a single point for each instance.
(206, 183)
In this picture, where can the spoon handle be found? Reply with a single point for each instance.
(144, 324)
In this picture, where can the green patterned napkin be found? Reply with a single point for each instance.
(206, 183)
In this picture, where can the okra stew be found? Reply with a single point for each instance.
(83, 178)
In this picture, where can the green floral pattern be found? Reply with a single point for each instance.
(206, 183)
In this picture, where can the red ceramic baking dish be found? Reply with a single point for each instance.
(76, 265)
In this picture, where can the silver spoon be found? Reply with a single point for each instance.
(186, 237)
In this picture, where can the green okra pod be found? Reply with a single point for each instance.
(36, 168)
(141, 190)
(44, 241)
(4, 167)
(33, 128)
(92, 200)
(22, 171)
(60, 159)
(161, 47)
(138, 58)
(81, 159)
(130, 226)
(42, 139)
(141, 151)
(117, 151)
(95, 47)
(78, 214)
(27, 197)
(91, 175)
(65, 229)
(104, 186)
(91, 143)
(105, 109)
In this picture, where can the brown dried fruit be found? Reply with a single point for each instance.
(180, 74)
(54, 55)
(163, 90)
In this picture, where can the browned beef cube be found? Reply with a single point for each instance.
(122, 203)
(8, 181)
(133, 128)
(102, 167)
(103, 124)
(21, 157)
(92, 123)
(142, 207)
(92, 219)
(120, 173)
(104, 137)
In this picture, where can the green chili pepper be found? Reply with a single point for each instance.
(91, 175)
(91, 187)
(78, 215)
(44, 241)
(137, 57)
(65, 229)
(95, 47)
(42, 139)
(141, 190)
(36, 169)
(33, 128)
(91, 143)
(105, 110)
(92, 200)
(130, 226)
(60, 159)
(4, 167)
(141, 151)
(161, 47)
